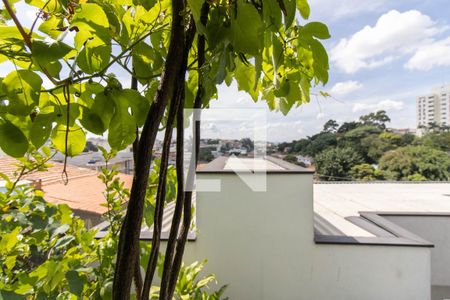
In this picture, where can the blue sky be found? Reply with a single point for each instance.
(382, 55)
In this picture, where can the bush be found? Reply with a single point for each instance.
(334, 164)
(291, 158)
(47, 253)
(366, 172)
(408, 161)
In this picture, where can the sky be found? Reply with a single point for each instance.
(383, 54)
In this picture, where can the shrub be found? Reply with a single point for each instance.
(407, 161)
(335, 163)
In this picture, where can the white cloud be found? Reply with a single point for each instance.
(344, 88)
(328, 9)
(395, 34)
(320, 116)
(382, 105)
(428, 56)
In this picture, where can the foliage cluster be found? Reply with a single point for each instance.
(46, 252)
(368, 150)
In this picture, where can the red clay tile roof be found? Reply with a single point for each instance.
(84, 190)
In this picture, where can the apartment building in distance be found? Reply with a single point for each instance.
(434, 107)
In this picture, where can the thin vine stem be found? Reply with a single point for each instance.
(64, 175)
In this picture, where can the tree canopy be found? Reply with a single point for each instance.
(384, 154)
(80, 49)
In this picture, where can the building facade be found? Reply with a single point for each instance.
(434, 108)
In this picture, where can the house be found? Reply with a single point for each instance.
(403, 131)
(83, 193)
(242, 151)
(123, 161)
(304, 160)
(300, 240)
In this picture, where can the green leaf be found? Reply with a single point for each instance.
(277, 55)
(245, 76)
(142, 60)
(196, 7)
(122, 129)
(75, 142)
(76, 282)
(305, 86)
(272, 14)
(320, 63)
(97, 118)
(290, 9)
(316, 29)
(9, 240)
(91, 21)
(303, 8)
(12, 140)
(64, 241)
(246, 29)
(61, 230)
(51, 27)
(149, 213)
(284, 88)
(258, 70)
(46, 52)
(41, 129)
(61, 116)
(95, 56)
(9, 33)
(5, 295)
(22, 88)
(138, 104)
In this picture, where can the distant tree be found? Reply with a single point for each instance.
(406, 161)
(291, 158)
(347, 126)
(362, 132)
(330, 126)
(353, 139)
(334, 164)
(407, 139)
(376, 145)
(283, 145)
(433, 127)
(212, 141)
(205, 155)
(379, 119)
(225, 148)
(440, 141)
(366, 172)
(248, 144)
(320, 142)
(90, 147)
(416, 177)
(300, 145)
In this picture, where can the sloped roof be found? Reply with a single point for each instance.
(84, 191)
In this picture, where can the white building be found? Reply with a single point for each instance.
(305, 241)
(434, 107)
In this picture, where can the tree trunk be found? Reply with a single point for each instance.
(137, 263)
(131, 227)
(160, 199)
(187, 198)
(176, 219)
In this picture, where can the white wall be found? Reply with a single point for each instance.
(435, 229)
(261, 244)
